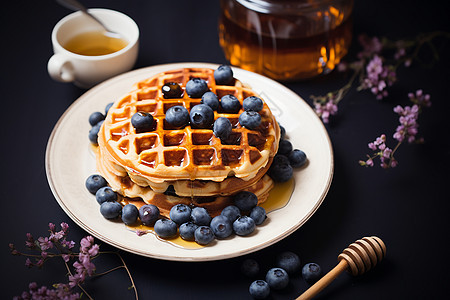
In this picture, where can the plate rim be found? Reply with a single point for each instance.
(275, 239)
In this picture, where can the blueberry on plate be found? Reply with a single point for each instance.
(285, 147)
(148, 214)
(250, 119)
(221, 227)
(223, 75)
(171, 90)
(245, 200)
(110, 210)
(288, 261)
(105, 194)
(196, 87)
(165, 228)
(130, 214)
(282, 131)
(222, 128)
(177, 116)
(94, 183)
(244, 225)
(311, 272)
(202, 116)
(180, 213)
(187, 231)
(200, 216)
(93, 133)
(232, 212)
(277, 278)
(281, 172)
(230, 103)
(250, 267)
(107, 107)
(297, 158)
(142, 121)
(204, 235)
(96, 117)
(258, 214)
(210, 99)
(280, 159)
(259, 289)
(253, 103)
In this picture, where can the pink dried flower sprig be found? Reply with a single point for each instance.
(375, 69)
(406, 131)
(57, 245)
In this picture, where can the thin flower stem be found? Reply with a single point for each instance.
(129, 275)
(79, 285)
(108, 271)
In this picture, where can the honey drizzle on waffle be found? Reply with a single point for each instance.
(169, 153)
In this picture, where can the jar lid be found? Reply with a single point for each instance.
(282, 6)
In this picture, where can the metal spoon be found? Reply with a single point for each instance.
(75, 5)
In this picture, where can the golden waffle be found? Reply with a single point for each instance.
(213, 204)
(169, 154)
(184, 188)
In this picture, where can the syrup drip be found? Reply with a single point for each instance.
(278, 198)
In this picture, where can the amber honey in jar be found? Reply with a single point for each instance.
(286, 39)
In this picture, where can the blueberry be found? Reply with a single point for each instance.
(107, 107)
(281, 172)
(180, 213)
(230, 103)
(223, 75)
(232, 212)
(244, 225)
(196, 87)
(110, 210)
(96, 117)
(297, 158)
(93, 133)
(245, 200)
(142, 121)
(210, 99)
(165, 228)
(282, 131)
(105, 194)
(250, 119)
(94, 183)
(280, 159)
(250, 267)
(203, 235)
(277, 278)
(222, 128)
(285, 147)
(187, 231)
(130, 214)
(202, 116)
(253, 103)
(177, 116)
(171, 90)
(148, 214)
(258, 214)
(311, 272)
(259, 289)
(221, 227)
(200, 216)
(288, 261)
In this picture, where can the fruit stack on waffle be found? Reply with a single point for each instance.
(188, 136)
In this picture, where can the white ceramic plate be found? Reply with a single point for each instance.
(70, 160)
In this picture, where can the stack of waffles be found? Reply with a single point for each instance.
(167, 166)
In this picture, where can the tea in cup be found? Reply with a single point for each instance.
(85, 54)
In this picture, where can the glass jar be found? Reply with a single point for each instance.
(286, 39)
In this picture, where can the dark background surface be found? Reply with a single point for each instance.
(407, 206)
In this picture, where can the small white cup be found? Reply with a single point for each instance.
(86, 71)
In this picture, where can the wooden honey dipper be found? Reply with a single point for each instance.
(358, 258)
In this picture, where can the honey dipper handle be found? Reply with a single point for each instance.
(324, 281)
